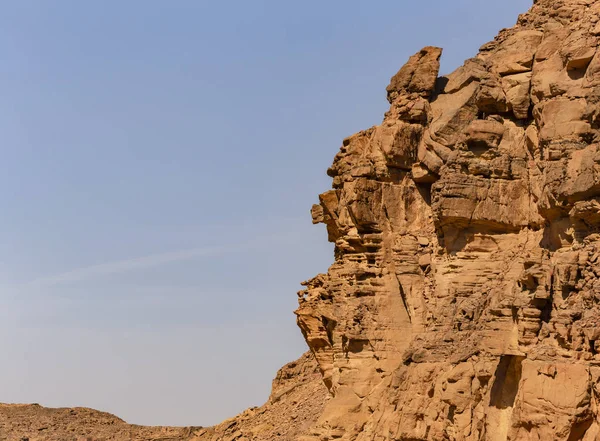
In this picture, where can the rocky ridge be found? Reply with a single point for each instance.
(464, 300)
(297, 399)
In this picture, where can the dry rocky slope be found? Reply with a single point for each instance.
(297, 399)
(464, 300)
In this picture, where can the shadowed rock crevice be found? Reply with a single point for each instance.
(506, 382)
(580, 429)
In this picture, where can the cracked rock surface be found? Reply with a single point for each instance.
(464, 300)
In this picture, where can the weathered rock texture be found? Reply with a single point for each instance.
(464, 300)
(297, 400)
(31, 422)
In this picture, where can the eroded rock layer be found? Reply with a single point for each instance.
(464, 300)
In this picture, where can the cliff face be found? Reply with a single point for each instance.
(463, 303)
(464, 300)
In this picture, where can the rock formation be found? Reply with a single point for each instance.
(464, 300)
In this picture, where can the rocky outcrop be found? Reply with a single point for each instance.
(297, 399)
(32, 422)
(464, 300)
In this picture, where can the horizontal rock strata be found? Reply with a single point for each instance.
(464, 300)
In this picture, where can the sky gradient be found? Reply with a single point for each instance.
(159, 160)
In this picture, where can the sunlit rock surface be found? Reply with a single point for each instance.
(463, 303)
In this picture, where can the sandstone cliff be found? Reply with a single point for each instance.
(464, 300)
(463, 303)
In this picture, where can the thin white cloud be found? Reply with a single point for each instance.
(122, 266)
(153, 260)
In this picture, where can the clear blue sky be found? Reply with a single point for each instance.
(159, 160)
